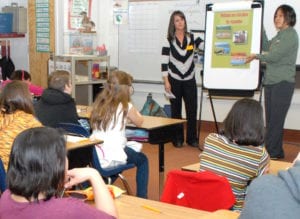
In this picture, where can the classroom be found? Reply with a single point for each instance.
(128, 35)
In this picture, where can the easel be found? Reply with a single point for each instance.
(216, 90)
(226, 94)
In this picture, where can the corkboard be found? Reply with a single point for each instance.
(38, 61)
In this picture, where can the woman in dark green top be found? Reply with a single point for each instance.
(280, 54)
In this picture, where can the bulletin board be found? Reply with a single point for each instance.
(232, 33)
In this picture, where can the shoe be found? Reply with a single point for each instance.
(194, 144)
(178, 144)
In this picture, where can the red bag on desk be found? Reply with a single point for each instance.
(201, 190)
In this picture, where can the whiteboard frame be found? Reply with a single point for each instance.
(232, 78)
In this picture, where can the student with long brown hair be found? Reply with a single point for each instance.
(16, 115)
(111, 111)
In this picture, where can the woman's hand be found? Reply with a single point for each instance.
(167, 85)
(250, 58)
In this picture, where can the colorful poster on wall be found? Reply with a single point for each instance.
(232, 36)
(78, 10)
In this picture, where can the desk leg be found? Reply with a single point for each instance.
(161, 164)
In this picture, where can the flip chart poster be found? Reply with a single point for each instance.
(232, 36)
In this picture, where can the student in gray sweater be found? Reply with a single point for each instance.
(280, 55)
(274, 197)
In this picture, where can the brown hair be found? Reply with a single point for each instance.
(171, 28)
(116, 91)
(244, 123)
(58, 80)
(16, 96)
(20, 75)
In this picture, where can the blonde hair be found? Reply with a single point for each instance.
(59, 79)
(115, 91)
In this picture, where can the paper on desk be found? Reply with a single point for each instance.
(170, 95)
(72, 138)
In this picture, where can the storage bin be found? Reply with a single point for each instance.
(6, 22)
(19, 19)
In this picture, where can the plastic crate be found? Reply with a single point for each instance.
(19, 20)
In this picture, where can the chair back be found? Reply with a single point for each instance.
(80, 157)
(110, 171)
(2, 177)
(72, 128)
(201, 190)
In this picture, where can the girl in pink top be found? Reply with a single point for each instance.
(24, 76)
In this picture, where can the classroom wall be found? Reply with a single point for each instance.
(108, 33)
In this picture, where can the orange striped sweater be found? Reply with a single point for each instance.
(10, 126)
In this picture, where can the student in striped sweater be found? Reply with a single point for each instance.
(178, 71)
(238, 152)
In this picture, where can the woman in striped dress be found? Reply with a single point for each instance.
(238, 152)
(178, 71)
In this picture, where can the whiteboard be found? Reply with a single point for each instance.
(140, 41)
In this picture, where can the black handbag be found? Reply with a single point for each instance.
(7, 67)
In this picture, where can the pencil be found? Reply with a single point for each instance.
(151, 208)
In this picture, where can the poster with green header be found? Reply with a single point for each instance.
(232, 35)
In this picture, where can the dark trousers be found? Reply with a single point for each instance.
(186, 91)
(277, 102)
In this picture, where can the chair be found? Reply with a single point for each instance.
(109, 174)
(201, 190)
(2, 177)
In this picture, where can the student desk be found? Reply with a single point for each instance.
(275, 166)
(131, 207)
(84, 143)
(160, 131)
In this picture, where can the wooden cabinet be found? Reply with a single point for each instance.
(82, 77)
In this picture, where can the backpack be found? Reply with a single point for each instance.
(152, 108)
(7, 67)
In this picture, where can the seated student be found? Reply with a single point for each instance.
(56, 104)
(274, 197)
(238, 152)
(16, 115)
(37, 175)
(26, 77)
(110, 112)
